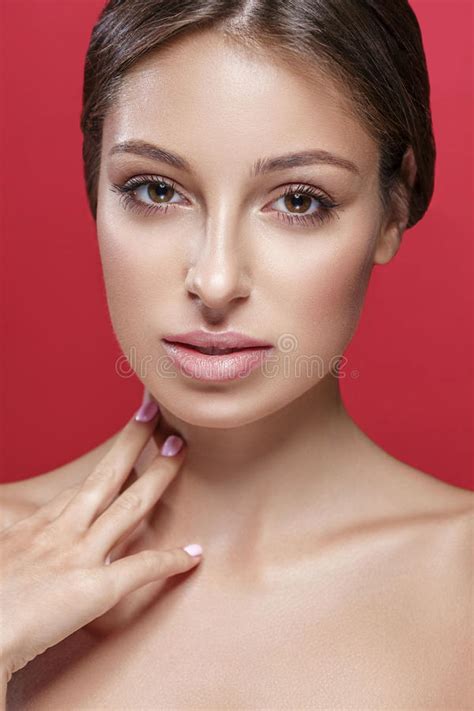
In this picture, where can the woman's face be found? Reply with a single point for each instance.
(229, 250)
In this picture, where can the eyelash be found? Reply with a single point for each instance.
(129, 201)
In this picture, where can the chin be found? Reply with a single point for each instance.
(213, 406)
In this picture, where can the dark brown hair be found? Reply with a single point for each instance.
(373, 48)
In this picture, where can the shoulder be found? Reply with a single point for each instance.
(19, 499)
(435, 511)
(395, 491)
(432, 574)
(426, 523)
(436, 540)
(443, 569)
(423, 549)
(414, 495)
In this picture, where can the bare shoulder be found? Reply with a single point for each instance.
(428, 520)
(398, 492)
(424, 530)
(433, 505)
(19, 499)
(443, 559)
(412, 493)
(437, 496)
(437, 534)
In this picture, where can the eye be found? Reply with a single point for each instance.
(298, 200)
(148, 193)
(136, 192)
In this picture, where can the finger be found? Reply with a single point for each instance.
(55, 506)
(128, 509)
(50, 510)
(131, 572)
(105, 480)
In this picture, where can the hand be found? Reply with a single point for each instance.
(55, 576)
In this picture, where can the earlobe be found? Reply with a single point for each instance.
(388, 243)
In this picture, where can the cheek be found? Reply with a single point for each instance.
(136, 285)
(328, 299)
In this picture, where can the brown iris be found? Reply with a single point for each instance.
(303, 202)
(159, 189)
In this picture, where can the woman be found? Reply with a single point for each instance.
(247, 165)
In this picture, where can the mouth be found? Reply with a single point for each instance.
(210, 363)
(213, 351)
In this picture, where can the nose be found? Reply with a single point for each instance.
(219, 275)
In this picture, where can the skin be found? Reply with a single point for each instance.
(220, 263)
(311, 532)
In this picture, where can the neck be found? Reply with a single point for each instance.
(292, 472)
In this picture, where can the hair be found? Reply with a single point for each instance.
(372, 48)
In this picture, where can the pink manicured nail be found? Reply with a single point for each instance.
(171, 446)
(147, 410)
(193, 549)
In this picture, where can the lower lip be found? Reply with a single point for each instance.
(230, 366)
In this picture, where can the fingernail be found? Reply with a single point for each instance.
(147, 409)
(171, 446)
(193, 549)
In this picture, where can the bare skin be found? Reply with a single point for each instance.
(373, 615)
(333, 575)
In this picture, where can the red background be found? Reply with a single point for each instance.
(412, 392)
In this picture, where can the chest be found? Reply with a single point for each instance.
(342, 641)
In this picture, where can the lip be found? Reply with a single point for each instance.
(207, 339)
(201, 366)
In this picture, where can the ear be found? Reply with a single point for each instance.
(394, 225)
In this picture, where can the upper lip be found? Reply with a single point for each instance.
(206, 339)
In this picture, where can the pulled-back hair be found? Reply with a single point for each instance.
(372, 48)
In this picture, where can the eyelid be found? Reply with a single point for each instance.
(306, 189)
(138, 181)
(326, 210)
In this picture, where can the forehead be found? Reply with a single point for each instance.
(206, 96)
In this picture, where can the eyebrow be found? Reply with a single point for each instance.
(260, 167)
